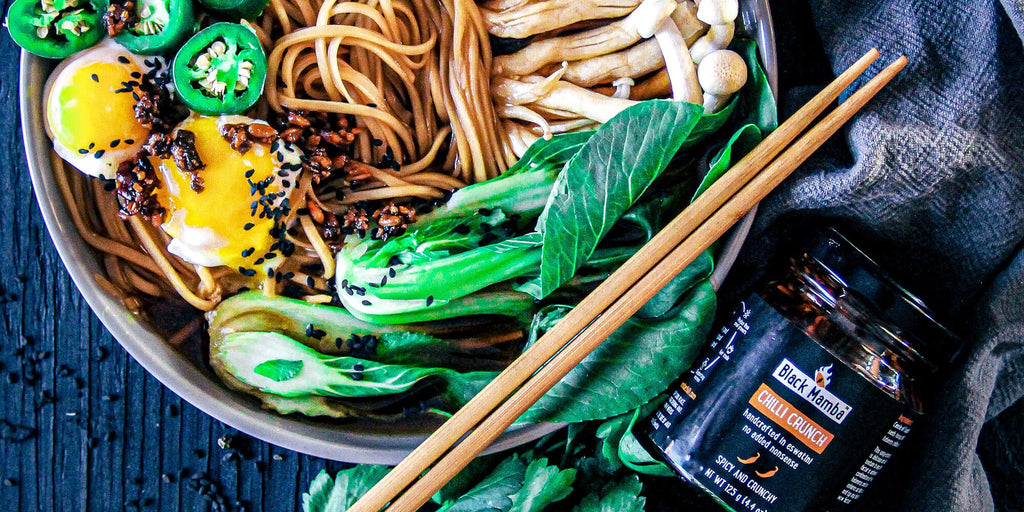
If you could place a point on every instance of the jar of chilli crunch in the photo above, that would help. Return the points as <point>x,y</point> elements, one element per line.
<point>803,396</point>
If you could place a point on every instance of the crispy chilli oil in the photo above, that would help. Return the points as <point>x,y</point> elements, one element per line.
<point>802,397</point>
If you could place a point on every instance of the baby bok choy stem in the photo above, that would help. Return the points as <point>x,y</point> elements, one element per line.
<point>281,371</point>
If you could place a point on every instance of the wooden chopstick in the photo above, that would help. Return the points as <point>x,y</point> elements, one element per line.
<point>596,302</point>
<point>638,295</point>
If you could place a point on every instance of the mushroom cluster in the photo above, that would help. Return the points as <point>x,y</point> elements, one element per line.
<point>588,60</point>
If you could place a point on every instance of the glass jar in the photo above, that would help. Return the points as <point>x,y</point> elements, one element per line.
<point>803,396</point>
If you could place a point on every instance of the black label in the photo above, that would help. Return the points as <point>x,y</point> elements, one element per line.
<point>768,420</point>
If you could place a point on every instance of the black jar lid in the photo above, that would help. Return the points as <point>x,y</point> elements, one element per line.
<point>919,333</point>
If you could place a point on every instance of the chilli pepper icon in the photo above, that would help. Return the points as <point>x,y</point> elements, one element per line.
<point>749,460</point>
<point>767,474</point>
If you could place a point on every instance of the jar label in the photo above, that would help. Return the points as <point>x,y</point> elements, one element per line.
<point>768,420</point>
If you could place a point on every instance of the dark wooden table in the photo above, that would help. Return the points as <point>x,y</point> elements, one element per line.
<point>85,428</point>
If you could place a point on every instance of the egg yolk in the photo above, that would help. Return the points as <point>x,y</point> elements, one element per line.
<point>224,221</point>
<point>94,110</point>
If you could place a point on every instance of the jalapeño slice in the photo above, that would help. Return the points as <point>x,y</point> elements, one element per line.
<point>161,26</point>
<point>220,70</point>
<point>56,28</point>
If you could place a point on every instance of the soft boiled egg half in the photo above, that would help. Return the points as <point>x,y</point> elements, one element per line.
<point>238,219</point>
<point>90,108</point>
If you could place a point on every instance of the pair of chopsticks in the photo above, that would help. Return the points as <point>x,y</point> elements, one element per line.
<point>532,374</point>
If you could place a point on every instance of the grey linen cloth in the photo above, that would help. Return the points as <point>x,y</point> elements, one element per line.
<point>929,181</point>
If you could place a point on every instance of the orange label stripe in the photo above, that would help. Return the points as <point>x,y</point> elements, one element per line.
<point>783,414</point>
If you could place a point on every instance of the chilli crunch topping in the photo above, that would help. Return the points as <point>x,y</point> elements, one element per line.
<point>182,148</point>
<point>120,15</point>
<point>392,220</point>
<point>241,136</point>
<point>325,138</point>
<point>136,181</point>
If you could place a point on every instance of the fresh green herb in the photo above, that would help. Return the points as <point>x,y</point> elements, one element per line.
<point>622,495</point>
<point>337,494</point>
<point>278,370</point>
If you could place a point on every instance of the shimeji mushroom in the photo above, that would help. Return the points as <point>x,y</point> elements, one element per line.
<point>716,38</point>
<point>721,15</point>
<point>721,73</point>
<point>589,43</point>
<point>638,60</point>
<point>718,12</point>
<point>559,97</point>
<point>525,19</point>
<point>678,62</point>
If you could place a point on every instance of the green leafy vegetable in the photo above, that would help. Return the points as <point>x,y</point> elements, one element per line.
<point>493,493</point>
<point>646,354</point>
<point>278,370</point>
<point>542,486</point>
<point>757,101</point>
<point>337,494</point>
<point>602,181</point>
<point>335,331</point>
<point>622,495</point>
<point>739,144</point>
<point>236,357</point>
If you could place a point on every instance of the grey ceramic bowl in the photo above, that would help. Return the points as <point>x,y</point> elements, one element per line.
<point>351,442</point>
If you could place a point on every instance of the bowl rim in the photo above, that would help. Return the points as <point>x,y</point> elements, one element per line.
<point>188,381</point>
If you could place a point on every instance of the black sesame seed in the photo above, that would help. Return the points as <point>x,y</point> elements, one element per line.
<point>83,151</point>
<point>430,300</point>
<point>129,141</point>
<point>377,142</point>
<point>248,252</point>
<point>258,262</point>
<point>249,173</point>
<point>371,105</point>
<point>309,281</point>
<point>95,78</point>
<point>357,376</point>
<point>92,145</point>
<point>123,60</point>
<point>248,226</point>
<point>384,280</point>
<point>114,143</point>
<point>392,273</point>
<point>358,367</point>
<point>367,303</point>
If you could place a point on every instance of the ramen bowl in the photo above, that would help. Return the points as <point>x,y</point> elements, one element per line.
<point>350,441</point>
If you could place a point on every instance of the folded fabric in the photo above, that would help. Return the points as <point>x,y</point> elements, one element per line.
<point>929,180</point>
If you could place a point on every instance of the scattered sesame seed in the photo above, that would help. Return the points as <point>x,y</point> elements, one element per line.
<point>83,151</point>
<point>129,141</point>
<point>248,252</point>
<point>248,226</point>
<point>367,303</point>
<point>357,376</point>
<point>99,154</point>
<point>430,300</point>
<point>123,60</point>
<point>114,143</point>
<point>392,273</point>
<point>95,78</point>
<point>358,367</point>
<point>249,173</point>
